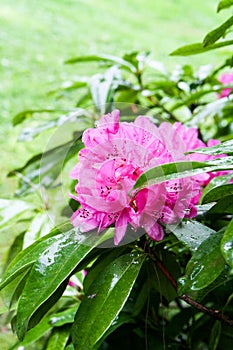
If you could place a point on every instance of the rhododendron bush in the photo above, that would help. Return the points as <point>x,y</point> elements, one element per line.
<point>124,221</point>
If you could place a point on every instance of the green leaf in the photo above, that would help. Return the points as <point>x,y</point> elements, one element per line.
<point>11,210</point>
<point>204,267</point>
<point>227,244</point>
<point>222,148</point>
<point>20,117</point>
<point>120,320</point>
<point>215,335</point>
<point>197,48</point>
<point>25,259</point>
<point>182,169</point>
<point>54,265</point>
<point>223,206</point>
<point>102,87</point>
<point>102,261</point>
<point>105,299</point>
<point>40,226</point>
<point>218,193</point>
<point>191,233</point>
<point>36,333</point>
<point>217,33</point>
<point>58,339</point>
<point>223,4</point>
<point>44,168</point>
<point>61,318</point>
<point>103,58</point>
<point>216,182</point>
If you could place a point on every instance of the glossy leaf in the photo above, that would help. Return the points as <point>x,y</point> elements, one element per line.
<point>58,339</point>
<point>222,148</point>
<point>36,333</point>
<point>217,33</point>
<point>119,321</point>
<point>182,169</point>
<point>61,318</point>
<point>51,269</point>
<point>227,244</point>
<point>223,4</point>
<point>197,48</point>
<point>223,206</point>
<point>25,259</point>
<point>205,265</point>
<point>217,193</point>
<point>191,233</point>
<point>102,58</point>
<point>105,299</point>
<point>216,182</point>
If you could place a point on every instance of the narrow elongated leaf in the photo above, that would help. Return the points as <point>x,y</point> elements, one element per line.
<point>104,58</point>
<point>216,182</point>
<point>222,148</point>
<point>217,33</point>
<point>215,335</point>
<point>58,339</point>
<point>40,226</point>
<point>51,269</point>
<point>182,169</point>
<point>25,259</point>
<point>222,207</point>
<point>20,117</point>
<point>197,48</point>
<point>191,233</point>
<point>104,300</point>
<point>227,244</point>
<point>44,168</point>
<point>205,265</point>
<point>217,193</point>
<point>223,4</point>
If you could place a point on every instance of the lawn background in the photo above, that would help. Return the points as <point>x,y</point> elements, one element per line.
<point>36,37</point>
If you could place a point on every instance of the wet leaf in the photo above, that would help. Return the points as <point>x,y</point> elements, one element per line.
<point>227,244</point>
<point>222,148</point>
<point>191,233</point>
<point>204,267</point>
<point>182,169</point>
<point>218,193</point>
<point>25,259</point>
<point>104,300</point>
<point>51,269</point>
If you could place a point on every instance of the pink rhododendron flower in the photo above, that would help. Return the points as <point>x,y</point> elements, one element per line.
<point>114,156</point>
<point>226,79</point>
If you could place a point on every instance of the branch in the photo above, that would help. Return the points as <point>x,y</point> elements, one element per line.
<point>216,314</point>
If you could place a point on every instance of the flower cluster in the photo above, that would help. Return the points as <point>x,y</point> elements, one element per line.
<point>226,79</point>
<point>115,155</point>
